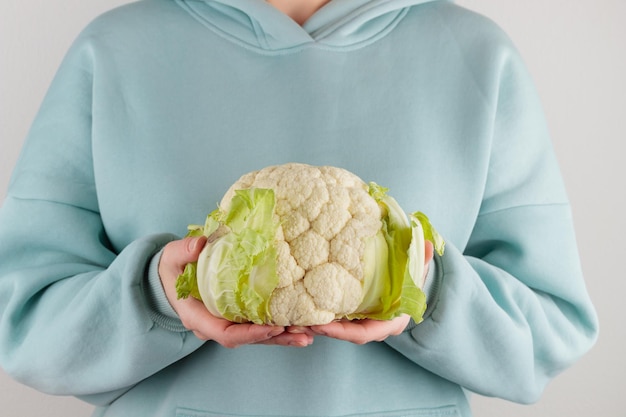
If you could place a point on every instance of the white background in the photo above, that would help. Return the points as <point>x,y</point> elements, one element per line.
<point>576,53</point>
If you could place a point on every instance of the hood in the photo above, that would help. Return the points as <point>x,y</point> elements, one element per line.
<point>340,23</point>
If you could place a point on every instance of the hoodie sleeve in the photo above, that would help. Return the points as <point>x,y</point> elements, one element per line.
<point>511,309</point>
<point>70,305</point>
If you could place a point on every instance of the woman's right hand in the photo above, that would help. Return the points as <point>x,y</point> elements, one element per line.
<point>195,316</point>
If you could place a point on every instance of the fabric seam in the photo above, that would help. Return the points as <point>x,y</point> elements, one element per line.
<point>521,206</point>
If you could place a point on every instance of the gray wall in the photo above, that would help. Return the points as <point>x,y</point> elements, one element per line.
<point>575,51</point>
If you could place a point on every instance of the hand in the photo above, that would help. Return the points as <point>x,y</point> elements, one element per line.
<point>363,331</point>
<point>200,321</point>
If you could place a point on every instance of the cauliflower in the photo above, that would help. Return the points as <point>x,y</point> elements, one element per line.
<point>296,244</point>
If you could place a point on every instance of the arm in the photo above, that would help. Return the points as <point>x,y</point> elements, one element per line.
<point>512,310</point>
<point>71,305</point>
<point>196,317</point>
<point>508,308</point>
<point>79,315</point>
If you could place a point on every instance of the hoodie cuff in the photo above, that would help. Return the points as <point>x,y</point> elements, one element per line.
<point>161,311</point>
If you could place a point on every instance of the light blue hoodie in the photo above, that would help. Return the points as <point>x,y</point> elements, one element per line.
<point>161,105</point>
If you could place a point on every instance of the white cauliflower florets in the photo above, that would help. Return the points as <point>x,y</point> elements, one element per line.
<point>325,214</point>
<point>296,244</point>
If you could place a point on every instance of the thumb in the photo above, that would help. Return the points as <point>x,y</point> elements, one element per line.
<point>429,252</point>
<point>190,247</point>
<point>179,253</point>
<point>176,255</point>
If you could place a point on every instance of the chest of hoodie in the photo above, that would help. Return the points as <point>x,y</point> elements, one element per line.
<point>171,94</point>
<point>179,70</point>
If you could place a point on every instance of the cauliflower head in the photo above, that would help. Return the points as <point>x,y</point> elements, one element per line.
<point>296,244</point>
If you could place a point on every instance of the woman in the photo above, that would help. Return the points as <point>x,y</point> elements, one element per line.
<point>162,104</point>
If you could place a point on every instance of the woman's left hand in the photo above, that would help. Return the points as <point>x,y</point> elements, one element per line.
<point>367,330</point>
<point>362,331</point>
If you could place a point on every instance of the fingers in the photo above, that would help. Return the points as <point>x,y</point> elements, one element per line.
<point>363,331</point>
<point>232,335</point>
<point>199,320</point>
<point>290,339</point>
<point>205,326</point>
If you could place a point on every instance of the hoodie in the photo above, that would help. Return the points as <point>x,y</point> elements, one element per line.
<point>160,105</point>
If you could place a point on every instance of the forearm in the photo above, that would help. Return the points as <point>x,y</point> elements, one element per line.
<point>507,321</point>
<point>76,319</point>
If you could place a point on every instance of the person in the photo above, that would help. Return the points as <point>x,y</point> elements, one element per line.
<point>160,105</point>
